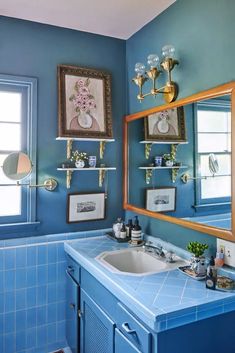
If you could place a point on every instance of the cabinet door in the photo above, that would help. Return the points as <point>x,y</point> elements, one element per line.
<point>72,322</point>
<point>97,329</point>
<point>123,345</point>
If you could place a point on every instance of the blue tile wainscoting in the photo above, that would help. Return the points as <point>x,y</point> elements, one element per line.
<point>32,293</point>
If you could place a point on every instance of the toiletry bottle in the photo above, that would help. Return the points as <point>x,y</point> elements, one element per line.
<point>117,227</point>
<point>136,231</point>
<point>219,260</point>
<point>211,276</point>
<point>129,228</point>
<point>123,231</point>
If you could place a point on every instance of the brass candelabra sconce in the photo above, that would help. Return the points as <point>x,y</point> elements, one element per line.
<point>170,89</point>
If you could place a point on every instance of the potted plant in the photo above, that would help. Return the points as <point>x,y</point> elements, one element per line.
<point>198,264</point>
<point>169,159</point>
<point>79,158</point>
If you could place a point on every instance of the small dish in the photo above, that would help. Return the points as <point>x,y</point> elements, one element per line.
<point>189,272</point>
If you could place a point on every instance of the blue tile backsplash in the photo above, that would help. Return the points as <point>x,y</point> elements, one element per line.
<point>32,293</point>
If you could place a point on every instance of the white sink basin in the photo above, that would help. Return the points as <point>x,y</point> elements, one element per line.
<point>136,262</point>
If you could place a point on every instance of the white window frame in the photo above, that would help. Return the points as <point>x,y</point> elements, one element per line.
<point>30,86</point>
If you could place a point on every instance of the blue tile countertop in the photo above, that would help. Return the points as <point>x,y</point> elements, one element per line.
<point>164,300</point>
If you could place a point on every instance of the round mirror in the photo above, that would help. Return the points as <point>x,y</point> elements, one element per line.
<point>213,164</point>
<point>17,166</point>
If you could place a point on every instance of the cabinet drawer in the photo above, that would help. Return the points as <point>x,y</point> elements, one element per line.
<point>133,329</point>
<point>73,269</point>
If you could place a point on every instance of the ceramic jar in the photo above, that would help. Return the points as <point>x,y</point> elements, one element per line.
<point>169,163</point>
<point>80,163</point>
<point>198,265</point>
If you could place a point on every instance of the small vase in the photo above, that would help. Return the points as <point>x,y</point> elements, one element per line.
<point>169,163</point>
<point>80,163</point>
<point>198,265</point>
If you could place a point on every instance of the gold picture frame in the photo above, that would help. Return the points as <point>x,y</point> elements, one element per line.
<point>165,126</point>
<point>84,103</point>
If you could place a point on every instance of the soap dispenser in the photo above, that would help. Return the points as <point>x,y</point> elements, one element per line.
<point>136,231</point>
<point>211,276</point>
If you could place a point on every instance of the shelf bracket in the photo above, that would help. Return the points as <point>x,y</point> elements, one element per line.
<point>148,175</point>
<point>68,178</point>
<point>69,148</point>
<point>174,173</point>
<point>102,173</point>
<point>148,147</point>
<point>102,149</point>
<point>174,148</point>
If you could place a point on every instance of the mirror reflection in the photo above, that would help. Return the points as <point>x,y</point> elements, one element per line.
<point>180,162</point>
<point>17,166</point>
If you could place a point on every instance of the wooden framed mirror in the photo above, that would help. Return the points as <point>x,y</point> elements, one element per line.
<point>195,134</point>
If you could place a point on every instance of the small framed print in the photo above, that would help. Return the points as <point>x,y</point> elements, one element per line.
<point>161,199</point>
<point>84,103</point>
<point>85,207</point>
<point>168,125</point>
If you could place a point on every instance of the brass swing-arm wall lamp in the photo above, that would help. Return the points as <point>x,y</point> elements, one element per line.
<point>170,90</point>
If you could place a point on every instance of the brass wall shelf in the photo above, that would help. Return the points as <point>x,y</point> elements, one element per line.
<point>70,141</point>
<point>69,171</point>
<point>149,144</point>
<point>174,172</point>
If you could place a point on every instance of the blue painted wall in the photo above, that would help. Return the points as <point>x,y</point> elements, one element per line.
<point>202,33</point>
<point>33,49</point>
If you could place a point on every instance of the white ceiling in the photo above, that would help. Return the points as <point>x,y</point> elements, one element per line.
<point>114,18</point>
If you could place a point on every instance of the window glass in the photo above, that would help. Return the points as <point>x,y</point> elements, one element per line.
<point>10,137</point>
<point>214,142</point>
<point>10,201</point>
<point>224,161</point>
<point>214,121</point>
<point>214,136</point>
<point>216,187</point>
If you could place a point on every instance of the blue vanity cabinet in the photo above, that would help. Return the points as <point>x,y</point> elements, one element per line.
<point>72,305</point>
<point>122,344</point>
<point>97,329</point>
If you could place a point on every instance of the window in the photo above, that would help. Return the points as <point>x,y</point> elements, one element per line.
<point>17,133</point>
<point>213,126</point>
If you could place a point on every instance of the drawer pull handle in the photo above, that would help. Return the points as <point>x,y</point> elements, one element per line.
<point>70,269</point>
<point>72,306</point>
<point>126,328</point>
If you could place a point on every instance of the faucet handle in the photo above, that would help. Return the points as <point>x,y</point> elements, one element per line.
<point>170,256</point>
<point>148,242</point>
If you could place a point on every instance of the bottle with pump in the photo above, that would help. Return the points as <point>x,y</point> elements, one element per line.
<point>136,231</point>
<point>123,231</point>
<point>211,276</point>
<point>129,228</point>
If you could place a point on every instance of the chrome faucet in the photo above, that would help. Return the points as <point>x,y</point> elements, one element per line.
<point>150,247</point>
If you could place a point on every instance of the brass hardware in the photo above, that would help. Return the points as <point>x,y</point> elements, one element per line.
<point>174,148</point>
<point>139,81</point>
<point>186,177</point>
<point>68,178</point>
<point>102,149</point>
<point>102,173</point>
<point>174,173</point>
<point>49,184</point>
<point>148,175</point>
<point>148,147</point>
<point>169,90</point>
<point>69,148</point>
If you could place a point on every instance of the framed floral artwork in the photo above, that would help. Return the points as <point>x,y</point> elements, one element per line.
<point>84,103</point>
<point>85,207</point>
<point>166,126</point>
